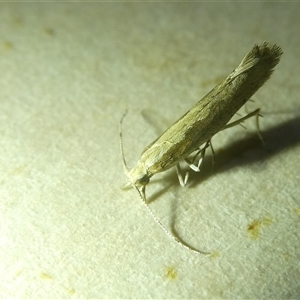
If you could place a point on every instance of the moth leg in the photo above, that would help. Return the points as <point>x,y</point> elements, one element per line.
<point>182,181</point>
<point>201,152</point>
<point>253,113</point>
<point>239,121</point>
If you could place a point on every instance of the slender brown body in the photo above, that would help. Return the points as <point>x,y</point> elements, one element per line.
<point>208,116</point>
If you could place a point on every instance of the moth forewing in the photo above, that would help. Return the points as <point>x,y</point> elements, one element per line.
<point>206,118</point>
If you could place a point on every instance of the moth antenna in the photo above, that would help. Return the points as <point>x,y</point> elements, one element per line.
<point>172,236</point>
<point>126,169</point>
<point>143,197</point>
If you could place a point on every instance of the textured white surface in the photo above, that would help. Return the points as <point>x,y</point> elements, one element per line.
<point>68,73</point>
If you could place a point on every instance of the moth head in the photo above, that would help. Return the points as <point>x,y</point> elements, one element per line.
<point>138,178</point>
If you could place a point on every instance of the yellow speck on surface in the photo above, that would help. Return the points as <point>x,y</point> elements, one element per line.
<point>214,254</point>
<point>7,45</point>
<point>296,210</point>
<point>45,276</point>
<point>286,256</point>
<point>170,273</point>
<point>49,31</point>
<point>254,227</point>
<point>71,291</point>
<point>17,170</point>
<point>17,21</point>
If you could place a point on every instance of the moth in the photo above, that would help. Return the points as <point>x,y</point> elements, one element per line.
<point>192,133</point>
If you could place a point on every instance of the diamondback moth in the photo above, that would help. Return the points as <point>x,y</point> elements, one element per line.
<point>192,133</point>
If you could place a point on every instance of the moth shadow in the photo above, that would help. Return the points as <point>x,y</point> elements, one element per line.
<point>249,150</point>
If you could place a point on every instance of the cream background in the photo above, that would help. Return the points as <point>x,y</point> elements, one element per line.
<point>68,73</point>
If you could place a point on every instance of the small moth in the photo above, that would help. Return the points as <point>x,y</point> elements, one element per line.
<point>192,133</point>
